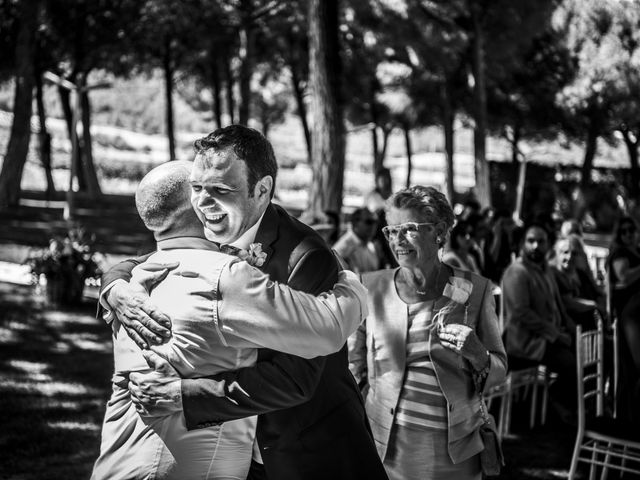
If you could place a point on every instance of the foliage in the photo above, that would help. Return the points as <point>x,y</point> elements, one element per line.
<point>71,254</point>
<point>565,68</point>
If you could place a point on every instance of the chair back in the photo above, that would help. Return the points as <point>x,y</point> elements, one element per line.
<point>616,365</point>
<point>590,363</point>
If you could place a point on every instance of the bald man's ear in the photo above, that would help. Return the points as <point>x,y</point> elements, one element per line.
<point>264,186</point>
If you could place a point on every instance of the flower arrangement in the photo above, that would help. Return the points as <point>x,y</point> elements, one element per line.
<point>66,263</point>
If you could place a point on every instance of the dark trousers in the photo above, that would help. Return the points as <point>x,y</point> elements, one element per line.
<point>561,359</point>
<point>257,471</point>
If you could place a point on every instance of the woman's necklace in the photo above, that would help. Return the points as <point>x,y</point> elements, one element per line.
<point>435,283</point>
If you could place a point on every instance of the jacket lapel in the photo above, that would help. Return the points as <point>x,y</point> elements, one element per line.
<point>268,232</point>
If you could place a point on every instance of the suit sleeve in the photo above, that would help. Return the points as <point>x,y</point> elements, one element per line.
<point>282,381</point>
<point>358,354</point>
<point>120,271</point>
<point>257,312</point>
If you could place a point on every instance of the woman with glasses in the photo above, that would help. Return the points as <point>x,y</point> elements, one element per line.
<point>428,350</point>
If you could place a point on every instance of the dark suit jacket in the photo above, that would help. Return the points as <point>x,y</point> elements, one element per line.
<point>312,423</point>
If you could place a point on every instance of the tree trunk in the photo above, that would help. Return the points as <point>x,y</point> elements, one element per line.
<point>385,142</point>
<point>18,147</point>
<point>373,108</point>
<point>168,81</point>
<point>327,144</point>
<point>229,78</point>
<point>589,153</point>
<point>483,183</point>
<point>88,167</point>
<point>302,108</point>
<point>246,55</point>
<point>522,181</point>
<point>632,149</point>
<point>215,84</point>
<point>44,139</point>
<point>407,144</point>
<point>515,150</point>
<point>65,101</point>
<point>448,117</point>
<point>374,146</point>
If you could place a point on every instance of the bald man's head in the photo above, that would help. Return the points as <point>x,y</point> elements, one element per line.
<point>163,200</point>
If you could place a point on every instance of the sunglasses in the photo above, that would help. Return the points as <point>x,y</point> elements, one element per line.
<point>408,230</point>
<point>370,221</point>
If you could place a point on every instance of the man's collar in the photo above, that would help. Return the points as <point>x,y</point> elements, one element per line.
<point>186,242</point>
<point>248,237</point>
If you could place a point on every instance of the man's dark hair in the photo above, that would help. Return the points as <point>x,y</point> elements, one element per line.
<point>358,213</point>
<point>536,224</point>
<point>249,145</point>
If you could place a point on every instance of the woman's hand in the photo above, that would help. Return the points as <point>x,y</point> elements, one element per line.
<point>464,341</point>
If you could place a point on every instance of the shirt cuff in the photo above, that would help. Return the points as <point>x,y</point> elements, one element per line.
<point>107,314</point>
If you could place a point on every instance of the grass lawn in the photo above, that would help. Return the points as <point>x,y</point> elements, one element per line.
<point>55,368</point>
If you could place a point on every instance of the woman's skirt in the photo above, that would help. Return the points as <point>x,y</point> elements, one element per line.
<point>416,454</point>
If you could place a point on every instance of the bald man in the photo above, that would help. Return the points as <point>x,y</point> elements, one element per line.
<point>222,309</point>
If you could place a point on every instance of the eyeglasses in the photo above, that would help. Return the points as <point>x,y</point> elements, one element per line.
<point>370,221</point>
<point>408,230</point>
<point>624,231</point>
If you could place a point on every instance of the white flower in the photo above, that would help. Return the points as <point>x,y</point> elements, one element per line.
<point>254,256</point>
<point>458,289</point>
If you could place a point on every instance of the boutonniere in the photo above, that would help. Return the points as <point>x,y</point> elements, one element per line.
<point>456,293</point>
<point>254,256</point>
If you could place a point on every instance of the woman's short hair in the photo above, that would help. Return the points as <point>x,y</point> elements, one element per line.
<point>428,202</point>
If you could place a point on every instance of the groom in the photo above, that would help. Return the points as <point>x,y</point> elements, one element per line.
<point>311,423</point>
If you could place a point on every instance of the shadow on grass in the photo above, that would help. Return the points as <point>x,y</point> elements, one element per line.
<point>55,370</point>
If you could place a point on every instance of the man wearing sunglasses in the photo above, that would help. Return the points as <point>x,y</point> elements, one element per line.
<point>357,246</point>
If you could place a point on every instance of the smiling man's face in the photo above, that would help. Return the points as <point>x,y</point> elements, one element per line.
<point>220,195</point>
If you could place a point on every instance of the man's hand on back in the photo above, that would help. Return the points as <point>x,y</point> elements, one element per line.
<point>144,323</point>
<point>156,393</point>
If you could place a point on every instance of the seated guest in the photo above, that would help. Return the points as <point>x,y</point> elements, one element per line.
<point>580,296</point>
<point>537,327</point>
<point>428,350</point>
<point>460,245</point>
<point>356,246</point>
<point>624,278</point>
<point>624,263</point>
<point>572,228</point>
<point>629,381</point>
